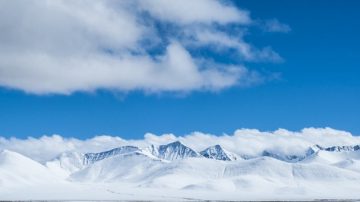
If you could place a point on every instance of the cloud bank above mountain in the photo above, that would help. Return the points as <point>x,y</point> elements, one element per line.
<point>241,142</point>
<point>61,47</point>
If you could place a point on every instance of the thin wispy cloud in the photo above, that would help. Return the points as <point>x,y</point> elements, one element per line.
<point>274,25</point>
<point>61,47</point>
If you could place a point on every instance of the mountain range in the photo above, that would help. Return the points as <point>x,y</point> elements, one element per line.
<point>180,171</point>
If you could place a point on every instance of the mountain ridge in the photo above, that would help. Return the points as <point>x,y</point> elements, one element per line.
<point>175,167</point>
<point>177,151</point>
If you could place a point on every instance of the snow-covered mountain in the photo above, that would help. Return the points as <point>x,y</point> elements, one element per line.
<point>343,148</point>
<point>218,153</point>
<point>311,152</point>
<point>284,157</point>
<point>66,163</point>
<point>341,156</point>
<point>121,167</point>
<point>93,157</point>
<point>175,170</point>
<point>17,169</point>
<point>173,151</point>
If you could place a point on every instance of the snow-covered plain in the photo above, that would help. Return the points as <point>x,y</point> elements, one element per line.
<point>175,171</point>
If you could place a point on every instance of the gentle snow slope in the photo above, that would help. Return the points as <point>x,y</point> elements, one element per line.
<point>17,169</point>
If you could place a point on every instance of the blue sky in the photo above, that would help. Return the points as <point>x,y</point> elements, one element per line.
<point>315,85</point>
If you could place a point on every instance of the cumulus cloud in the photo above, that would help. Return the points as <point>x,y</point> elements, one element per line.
<point>57,46</point>
<point>248,142</point>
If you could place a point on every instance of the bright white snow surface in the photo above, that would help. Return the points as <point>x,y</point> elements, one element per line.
<point>173,170</point>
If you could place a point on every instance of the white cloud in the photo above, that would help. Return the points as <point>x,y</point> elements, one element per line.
<point>222,41</point>
<point>274,25</point>
<point>48,147</point>
<point>242,142</point>
<point>174,71</point>
<point>200,11</point>
<point>57,46</point>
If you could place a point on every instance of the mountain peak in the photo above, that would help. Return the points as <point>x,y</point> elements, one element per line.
<point>313,149</point>
<point>218,153</point>
<point>174,150</point>
<point>177,142</point>
<point>217,146</point>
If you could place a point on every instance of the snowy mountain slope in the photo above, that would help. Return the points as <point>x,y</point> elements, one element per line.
<point>17,169</point>
<point>142,171</point>
<point>332,155</point>
<point>218,153</point>
<point>284,157</point>
<point>349,164</point>
<point>176,168</point>
<point>107,169</point>
<point>173,151</point>
<point>130,166</point>
<point>66,163</point>
<point>93,157</point>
